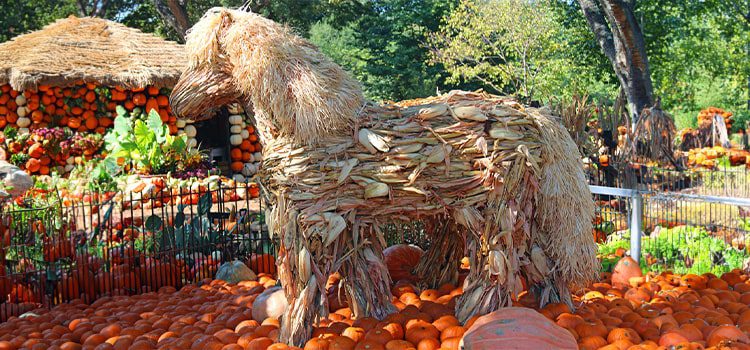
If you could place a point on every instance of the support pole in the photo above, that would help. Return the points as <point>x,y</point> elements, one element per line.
<point>636,220</point>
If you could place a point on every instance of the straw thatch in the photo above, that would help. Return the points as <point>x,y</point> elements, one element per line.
<point>89,49</point>
<point>503,178</point>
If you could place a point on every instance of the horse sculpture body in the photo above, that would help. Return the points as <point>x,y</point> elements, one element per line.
<point>476,168</point>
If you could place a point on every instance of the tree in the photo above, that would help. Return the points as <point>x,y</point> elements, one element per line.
<point>174,13</point>
<point>382,43</point>
<point>619,35</point>
<point>510,46</point>
<point>92,8</point>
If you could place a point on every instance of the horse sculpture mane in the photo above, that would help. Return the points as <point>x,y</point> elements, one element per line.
<point>491,179</point>
<point>285,77</point>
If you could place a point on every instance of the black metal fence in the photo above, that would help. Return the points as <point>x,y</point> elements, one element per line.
<point>55,248</point>
<point>721,181</point>
<point>694,220</point>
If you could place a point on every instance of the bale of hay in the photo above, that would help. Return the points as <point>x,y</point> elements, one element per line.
<point>504,178</point>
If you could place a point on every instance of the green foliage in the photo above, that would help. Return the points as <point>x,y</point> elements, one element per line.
<point>146,145</point>
<point>683,249</point>
<point>382,43</point>
<point>507,45</point>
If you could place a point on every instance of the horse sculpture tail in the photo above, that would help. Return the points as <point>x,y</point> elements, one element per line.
<point>565,213</point>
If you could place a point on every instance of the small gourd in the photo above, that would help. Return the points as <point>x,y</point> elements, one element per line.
<point>192,142</point>
<point>23,122</point>
<point>21,100</point>
<point>235,140</point>
<point>235,119</point>
<point>245,134</point>
<point>22,111</point>
<point>180,123</point>
<point>249,169</point>
<point>235,129</point>
<point>190,131</point>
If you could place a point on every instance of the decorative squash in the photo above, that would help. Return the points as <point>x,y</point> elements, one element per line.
<point>401,259</point>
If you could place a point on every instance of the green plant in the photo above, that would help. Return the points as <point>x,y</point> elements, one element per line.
<point>682,249</point>
<point>145,145</point>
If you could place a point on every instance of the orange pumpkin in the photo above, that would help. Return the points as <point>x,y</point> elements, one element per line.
<point>726,333</point>
<point>401,259</point>
<point>420,330</point>
<point>139,99</point>
<point>399,345</point>
<point>236,166</point>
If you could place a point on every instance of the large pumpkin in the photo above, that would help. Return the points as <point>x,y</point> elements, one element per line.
<point>262,263</point>
<point>517,328</point>
<point>401,259</point>
<point>625,269</point>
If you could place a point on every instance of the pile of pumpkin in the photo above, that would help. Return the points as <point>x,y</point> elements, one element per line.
<point>61,121</point>
<point>245,147</point>
<point>627,310</point>
<point>83,107</point>
<point>707,157</point>
<point>706,116</point>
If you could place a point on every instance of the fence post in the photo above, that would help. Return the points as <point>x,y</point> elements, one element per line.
<point>636,219</point>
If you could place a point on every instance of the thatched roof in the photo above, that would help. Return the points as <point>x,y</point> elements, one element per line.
<point>91,49</point>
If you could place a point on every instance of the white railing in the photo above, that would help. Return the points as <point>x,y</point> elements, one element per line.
<point>635,220</point>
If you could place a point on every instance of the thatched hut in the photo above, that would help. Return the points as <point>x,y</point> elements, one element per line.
<point>113,62</point>
<point>92,50</point>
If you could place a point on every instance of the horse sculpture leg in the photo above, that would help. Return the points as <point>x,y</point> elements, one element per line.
<point>304,293</point>
<point>483,292</point>
<point>367,283</point>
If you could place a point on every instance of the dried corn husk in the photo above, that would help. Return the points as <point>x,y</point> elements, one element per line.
<point>470,113</point>
<point>415,164</point>
<point>372,141</point>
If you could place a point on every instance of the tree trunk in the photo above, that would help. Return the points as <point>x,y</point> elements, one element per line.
<point>616,29</point>
<point>174,13</point>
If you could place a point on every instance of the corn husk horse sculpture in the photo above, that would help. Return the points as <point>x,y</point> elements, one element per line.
<point>489,177</point>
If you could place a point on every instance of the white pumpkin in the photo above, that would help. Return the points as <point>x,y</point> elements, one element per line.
<point>235,129</point>
<point>258,156</point>
<point>192,142</point>
<point>15,181</point>
<point>21,100</point>
<point>190,131</point>
<point>245,134</point>
<point>249,169</point>
<point>238,178</point>
<point>271,303</point>
<point>22,111</point>
<point>24,131</point>
<point>235,140</point>
<point>235,119</point>
<point>180,123</point>
<point>23,122</point>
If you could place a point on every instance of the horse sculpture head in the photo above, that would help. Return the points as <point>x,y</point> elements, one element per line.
<point>294,90</point>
